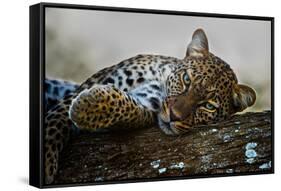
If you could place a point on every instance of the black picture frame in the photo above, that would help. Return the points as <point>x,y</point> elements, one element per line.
<point>37,76</point>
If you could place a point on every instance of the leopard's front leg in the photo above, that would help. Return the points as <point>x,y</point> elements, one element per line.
<point>104,106</point>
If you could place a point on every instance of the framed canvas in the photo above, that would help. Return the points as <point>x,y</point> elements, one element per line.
<point>126,95</point>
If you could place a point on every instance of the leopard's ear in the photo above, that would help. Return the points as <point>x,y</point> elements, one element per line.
<point>198,46</point>
<point>243,97</point>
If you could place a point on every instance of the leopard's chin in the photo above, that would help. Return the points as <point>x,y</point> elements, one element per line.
<point>164,121</point>
<point>172,127</point>
<point>166,125</point>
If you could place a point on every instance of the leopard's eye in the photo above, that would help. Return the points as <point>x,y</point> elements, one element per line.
<point>210,106</point>
<point>186,78</point>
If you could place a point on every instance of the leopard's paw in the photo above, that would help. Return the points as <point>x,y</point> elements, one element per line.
<point>98,107</point>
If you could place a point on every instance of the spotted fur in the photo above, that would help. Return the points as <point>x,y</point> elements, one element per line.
<point>174,94</point>
<point>55,90</point>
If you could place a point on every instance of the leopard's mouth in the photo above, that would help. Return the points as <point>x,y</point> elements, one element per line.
<point>173,127</point>
<point>165,126</point>
<point>169,126</point>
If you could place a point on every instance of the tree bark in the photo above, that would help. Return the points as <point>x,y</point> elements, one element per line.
<point>240,145</point>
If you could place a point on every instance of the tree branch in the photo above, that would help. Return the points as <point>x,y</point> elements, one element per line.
<point>241,144</point>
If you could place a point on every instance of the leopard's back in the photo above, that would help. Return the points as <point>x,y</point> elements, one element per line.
<point>133,72</point>
<point>140,75</point>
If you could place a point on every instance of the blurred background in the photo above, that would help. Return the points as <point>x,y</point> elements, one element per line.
<point>81,42</point>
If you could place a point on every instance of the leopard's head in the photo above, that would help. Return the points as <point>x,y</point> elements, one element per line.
<point>202,90</point>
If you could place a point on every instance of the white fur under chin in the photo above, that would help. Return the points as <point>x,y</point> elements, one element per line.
<point>166,127</point>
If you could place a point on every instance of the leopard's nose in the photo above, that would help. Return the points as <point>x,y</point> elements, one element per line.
<point>173,116</point>
<point>170,101</point>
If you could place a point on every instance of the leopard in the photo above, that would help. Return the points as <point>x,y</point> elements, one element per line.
<point>176,95</point>
<point>55,90</point>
